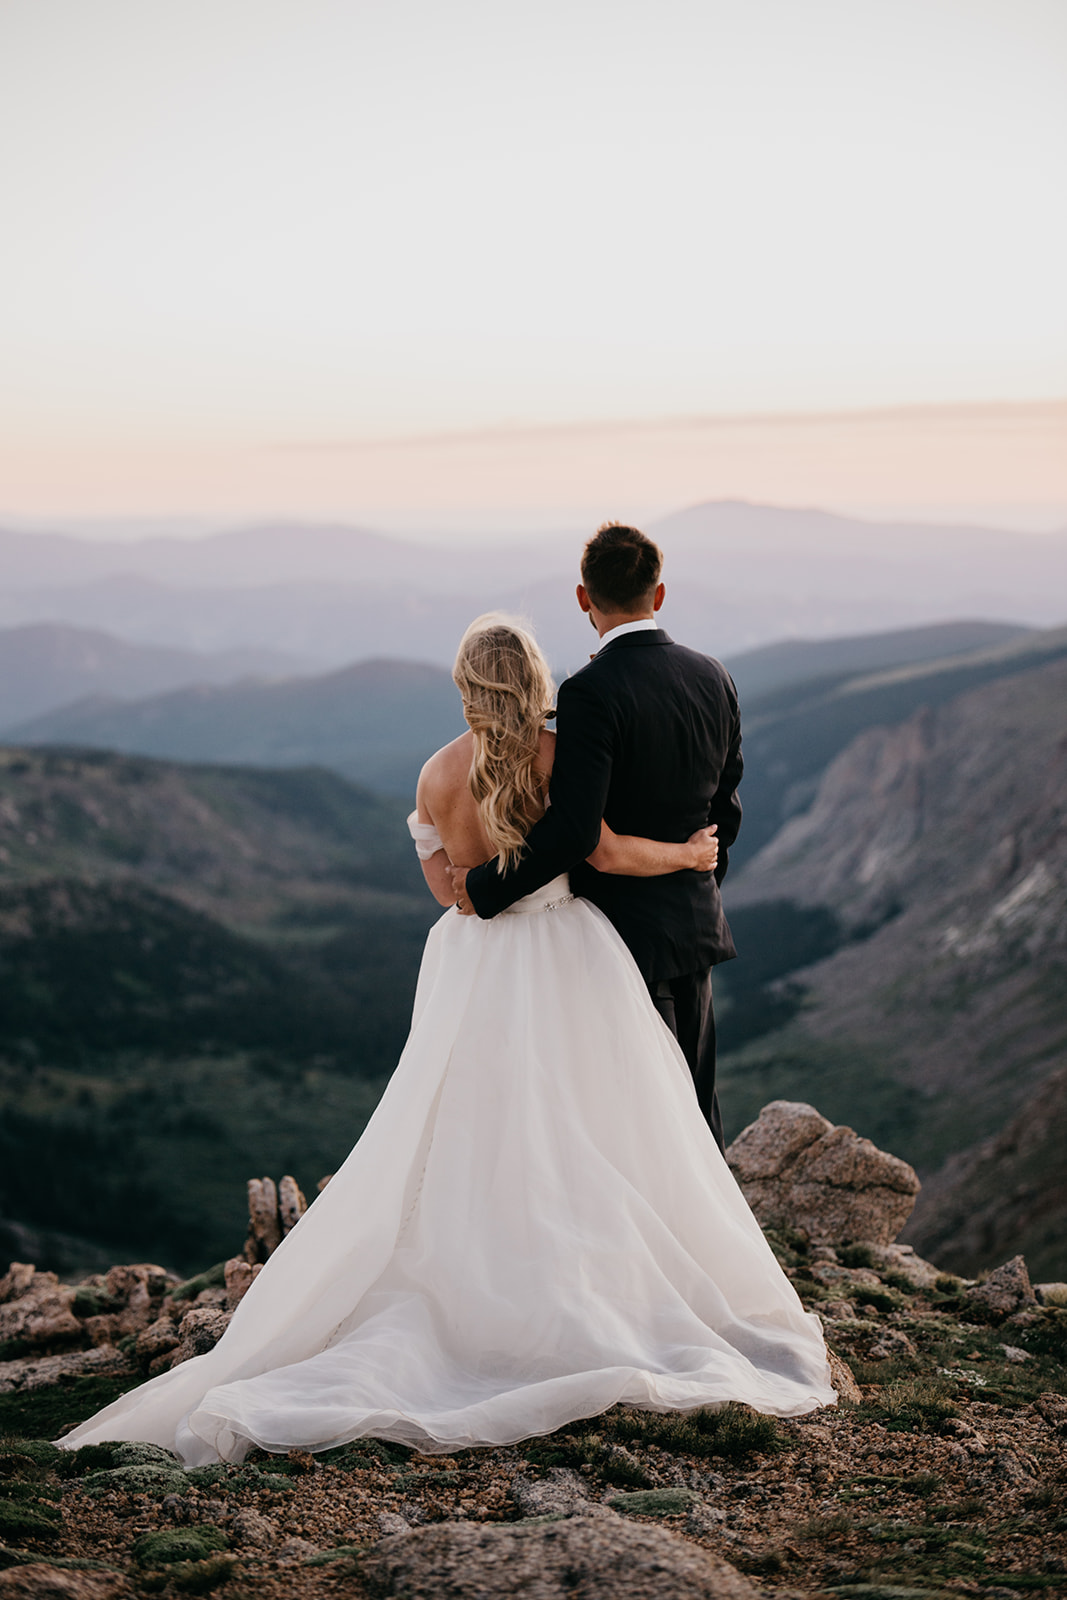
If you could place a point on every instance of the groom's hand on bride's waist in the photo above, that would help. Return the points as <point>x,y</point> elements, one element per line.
<point>459,884</point>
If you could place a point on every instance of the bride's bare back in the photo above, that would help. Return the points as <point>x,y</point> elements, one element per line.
<point>444,798</point>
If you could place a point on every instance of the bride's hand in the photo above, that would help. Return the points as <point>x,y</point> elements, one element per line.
<point>705,848</point>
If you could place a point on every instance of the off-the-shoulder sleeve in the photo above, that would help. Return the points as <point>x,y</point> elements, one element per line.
<point>426,837</point>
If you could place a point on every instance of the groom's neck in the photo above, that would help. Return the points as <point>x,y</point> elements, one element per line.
<point>604,621</point>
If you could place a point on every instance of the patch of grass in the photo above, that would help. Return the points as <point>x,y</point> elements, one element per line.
<point>911,1404</point>
<point>90,1302</point>
<point>565,1450</point>
<point>967,1510</point>
<point>169,1545</point>
<point>901,1283</point>
<point>40,1451</point>
<point>43,1413</point>
<point>789,1246</point>
<point>610,1463</point>
<point>922,1484</point>
<point>190,1577</point>
<point>824,1527</point>
<point>734,1432</point>
<point>19,1521</point>
<point>213,1278</point>
<point>19,1489</point>
<point>856,1255</point>
<point>1049,1336</point>
<point>363,1453</point>
<point>341,1552</point>
<point>866,1294</point>
<point>764,1563</point>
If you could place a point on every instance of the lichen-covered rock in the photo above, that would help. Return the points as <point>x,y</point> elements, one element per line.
<point>169,1545</point>
<point>41,1372</point>
<point>600,1558</point>
<point>561,1493</point>
<point>35,1309</point>
<point>139,1453</point>
<point>148,1478</point>
<point>252,1530</point>
<point>39,1581</point>
<point>1005,1291</point>
<point>799,1171</point>
<point>140,1288</point>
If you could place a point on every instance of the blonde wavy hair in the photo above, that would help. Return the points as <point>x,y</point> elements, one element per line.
<point>507,692</point>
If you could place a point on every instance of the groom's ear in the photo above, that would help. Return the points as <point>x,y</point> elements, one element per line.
<point>657,598</point>
<point>583,598</point>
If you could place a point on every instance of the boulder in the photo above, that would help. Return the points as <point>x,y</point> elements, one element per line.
<point>848,1390</point>
<point>1004,1292</point>
<point>798,1171</point>
<point>597,1558</point>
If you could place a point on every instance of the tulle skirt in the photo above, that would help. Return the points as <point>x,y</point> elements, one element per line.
<point>535,1225</point>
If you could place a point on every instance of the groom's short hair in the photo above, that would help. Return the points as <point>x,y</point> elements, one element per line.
<point>621,568</point>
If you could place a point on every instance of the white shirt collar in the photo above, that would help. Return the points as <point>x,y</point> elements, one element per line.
<point>627,627</point>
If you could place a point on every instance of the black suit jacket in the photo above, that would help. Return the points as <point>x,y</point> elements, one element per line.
<point>649,738</point>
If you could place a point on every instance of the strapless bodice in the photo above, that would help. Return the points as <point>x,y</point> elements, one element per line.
<point>556,893</point>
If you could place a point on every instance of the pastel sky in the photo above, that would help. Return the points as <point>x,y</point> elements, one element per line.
<point>426,262</point>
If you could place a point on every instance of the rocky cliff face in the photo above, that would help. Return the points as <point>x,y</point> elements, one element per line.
<point>948,836</point>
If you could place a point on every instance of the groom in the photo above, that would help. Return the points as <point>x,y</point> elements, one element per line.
<point>648,738</point>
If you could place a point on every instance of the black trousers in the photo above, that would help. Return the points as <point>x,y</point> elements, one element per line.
<point>685,1006</point>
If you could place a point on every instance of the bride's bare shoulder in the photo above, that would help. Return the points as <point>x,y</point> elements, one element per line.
<point>448,766</point>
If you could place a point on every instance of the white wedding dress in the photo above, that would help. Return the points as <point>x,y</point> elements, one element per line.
<point>535,1224</point>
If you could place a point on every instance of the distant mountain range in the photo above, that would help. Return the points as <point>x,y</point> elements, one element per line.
<point>44,665</point>
<point>739,576</point>
<point>378,721</point>
<point>375,722</point>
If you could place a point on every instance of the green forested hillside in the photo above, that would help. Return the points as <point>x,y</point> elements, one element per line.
<point>205,972</point>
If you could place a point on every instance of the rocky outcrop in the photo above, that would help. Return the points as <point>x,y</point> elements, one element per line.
<point>798,1171</point>
<point>35,1310</point>
<point>273,1211</point>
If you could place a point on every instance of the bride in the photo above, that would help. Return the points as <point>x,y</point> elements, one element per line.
<point>537,1222</point>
